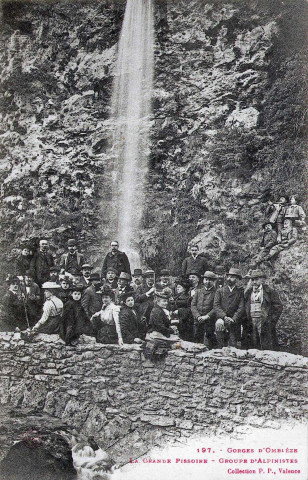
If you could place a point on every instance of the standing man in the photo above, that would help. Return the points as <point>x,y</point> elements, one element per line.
<point>229,309</point>
<point>116,259</point>
<point>220,273</point>
<point>41,263</point>
<point>123,286</point>
<point>202,308</point>
<point>145,296</point>
<point>91,299</point>
<point>71,261</point>
<point>33,298</point>
<point>195,262</point>
<point>111,278</point>
<point>137,279</point>
<point>23,260</point>
<point>263,309</point>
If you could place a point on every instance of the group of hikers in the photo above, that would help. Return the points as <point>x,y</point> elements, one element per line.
<point>215,307</point>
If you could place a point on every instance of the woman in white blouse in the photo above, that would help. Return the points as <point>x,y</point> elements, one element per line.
<point>106,322</point>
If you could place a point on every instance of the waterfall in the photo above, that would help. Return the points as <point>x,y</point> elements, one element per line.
<point>131,120</point>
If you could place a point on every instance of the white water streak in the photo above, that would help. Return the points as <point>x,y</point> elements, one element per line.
<point>131,112</point>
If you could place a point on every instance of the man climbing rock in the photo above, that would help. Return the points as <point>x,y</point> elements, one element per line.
<point>116,259</point>
<point>288,236</point>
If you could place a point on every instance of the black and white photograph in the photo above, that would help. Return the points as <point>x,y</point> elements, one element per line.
<point>153,240</point>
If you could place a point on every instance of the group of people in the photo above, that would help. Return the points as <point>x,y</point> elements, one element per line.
<point>284,221</point>
<point>154,309</point>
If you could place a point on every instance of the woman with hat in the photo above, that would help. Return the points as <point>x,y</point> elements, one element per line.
<point>75,319</point>
<point>51,319</point>
<point>132,329</point>
<point>14,307</point>
<point>106,322</point>
<point>181,309</point>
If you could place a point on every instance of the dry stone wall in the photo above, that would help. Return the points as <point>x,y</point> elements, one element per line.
<point>130,404</point>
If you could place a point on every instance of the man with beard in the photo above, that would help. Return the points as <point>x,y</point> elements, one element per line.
<point>220,272</point>
<point>229,309</point>
<point>111,278</point>
<point>116,259</point>
<point>263,309</point>
<point>195,261</point>
<point>202,308</point>
<point>145,296</point>
<point>54,274</point>
<point>41,263</point>
<point>123,286</point>
<point>72,261</point>
<point>137,279</point>
<point>86,270</point>
<point>91,299</point>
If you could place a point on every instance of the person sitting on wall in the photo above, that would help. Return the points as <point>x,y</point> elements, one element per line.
<point>116,259</point>
<point>72,261</point>
<point>296,214</point>
<point>51,320</point>
<point>195,261</point>
<point>181,309</point>
<point>137,279</point>
<point>229,310</point>
<point>111,278</point>
<point>145,296</point>
<point>195,282</point>
<point>160,336</point>
<point>288,236</point>
<point>269,239</point>
<point>106,324</point>
<point>86,270</point>
<point>132,328</point>
<point>202,308</point>
<point>91,299</point>
<point>75,319</point>
<point>13,313</point>
<point>123,286</point>
<point>263,309</point>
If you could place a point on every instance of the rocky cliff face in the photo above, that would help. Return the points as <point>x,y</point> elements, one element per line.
<point>229,129</point>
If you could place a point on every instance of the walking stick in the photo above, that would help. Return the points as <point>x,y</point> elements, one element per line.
<point>24,301</point>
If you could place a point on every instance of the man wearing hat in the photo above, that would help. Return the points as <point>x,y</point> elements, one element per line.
<point>263,309</point>
<point>54,274</point>
<point>23,260</point>
<point>202,308</point>
<point>145,296</point>
<point>195,261</point>
<point>137,279</point>
<point>72,261</point>
<point>33,298</point>
<point>14,314</point>
<point>164,279</point>
<point>86,270</point>
<point>195,281</point>
<point>269,239</point>
<point>116,259</point>
<point>51,319</point>
<point>91,299</point>
<point>41,263</point>
<point>111,278</point>
<point>123,286</point>
<point>220,273</point>
<point>229,309</point>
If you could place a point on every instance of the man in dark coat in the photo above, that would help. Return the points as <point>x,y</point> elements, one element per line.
<point>91,299</point>
<point>33,298</point>
<point>23,260</point>
<point>220,273</point>
<point>229,309</point>
<point>111,278</point>
<point>41,263</point>
<point>269,239</point>
<point>202,308</point>
<point>145,297</point>
<point>72,261</point>
<point>263,309</point>
<point>116,259</point>
<point>137,279</point>
<point>196,262</point>
<point>123,287</point>
<point>132,328</point>
<point>86,270</point>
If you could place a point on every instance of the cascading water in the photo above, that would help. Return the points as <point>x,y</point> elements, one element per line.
<point>131,119</point>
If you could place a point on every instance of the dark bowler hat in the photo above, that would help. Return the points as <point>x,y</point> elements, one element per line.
<point>78,287</point>
<point>95,277</point>
<point>210,275</point>
<point>268,223</point>
<point>107,291</point>
<point>127,295</point>
<point>71,242</point>
<point>149,273</point>
<point>164,273</point>
<point>184,282</point>
<point>166,293</point>
<point>257,274</point>
<point>220,270</point>
<point>194,272</point>
<point>111,269</point>
<point>235,272</point>
<point>137,272</point>
<point>124,276</point>
<point>86,266</point>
